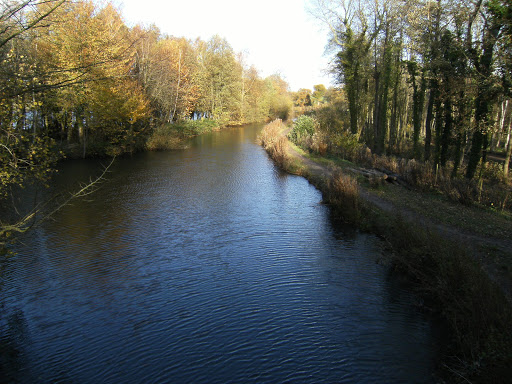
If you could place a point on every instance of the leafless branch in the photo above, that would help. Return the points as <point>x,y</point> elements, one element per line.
<point>30,220</point>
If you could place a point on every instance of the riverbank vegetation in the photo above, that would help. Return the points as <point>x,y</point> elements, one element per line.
<point>274,142</point>
<point>423,120</point>
<point>76,81</point>
<point>452,273</point>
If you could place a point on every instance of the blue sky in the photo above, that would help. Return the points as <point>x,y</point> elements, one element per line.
<point>276,36</point>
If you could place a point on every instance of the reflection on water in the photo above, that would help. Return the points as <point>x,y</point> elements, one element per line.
<point>205,265</point>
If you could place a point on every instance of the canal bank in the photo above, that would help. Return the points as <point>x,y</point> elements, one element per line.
<point>448,267</point>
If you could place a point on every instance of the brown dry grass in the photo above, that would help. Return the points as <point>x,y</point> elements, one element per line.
<point>343,194</point>
<point>453,285</point>
<point>490,191</point>
<point>274,142</point>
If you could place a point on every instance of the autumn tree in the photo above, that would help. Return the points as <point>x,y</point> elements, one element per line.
<point>24,155</point>
<point>318,95</point>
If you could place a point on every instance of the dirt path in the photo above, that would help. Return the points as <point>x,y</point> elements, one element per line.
<point>477,244</point>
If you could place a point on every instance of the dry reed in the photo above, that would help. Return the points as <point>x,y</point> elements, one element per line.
<point>274,142</point>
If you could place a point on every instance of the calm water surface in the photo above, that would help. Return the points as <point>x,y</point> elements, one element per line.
<point>207,265</point>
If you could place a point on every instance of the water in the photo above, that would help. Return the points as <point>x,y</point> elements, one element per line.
<point>207,265</point>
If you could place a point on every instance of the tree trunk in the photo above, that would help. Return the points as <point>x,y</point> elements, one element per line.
<point>376,116</point>
<point>394,111</point>
<point>428,125</point>
<point>447,130</point>
<point>438,129</point>
<point>177,88</point>
<point>509,152</point>
<point>484,67</point>
<point>459,142</point>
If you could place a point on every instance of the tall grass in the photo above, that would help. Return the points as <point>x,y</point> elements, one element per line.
<point>272,138</point>
<point>489,191</point>
<point>454,286</point>
<point>343,194</point>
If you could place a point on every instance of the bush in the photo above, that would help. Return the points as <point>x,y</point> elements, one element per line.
<point>189,128</point>
<point>164,137</point>
<point>303,129</point>
<point>493,172</point>
<point>319,143</point>
<point>347,146</point>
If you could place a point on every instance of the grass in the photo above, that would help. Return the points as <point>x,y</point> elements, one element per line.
<point>342,193</point>
<point>438,208</point>
<point>173,136</point>
<point>275,143</point>
<point>453,285</point>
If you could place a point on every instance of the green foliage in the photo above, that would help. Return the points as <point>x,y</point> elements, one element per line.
<point>190,128</point>
<point>171,136</point>
<point>319,92</point>
<point>303,128</point>
<point>346,145</point>
<point>281,107</point>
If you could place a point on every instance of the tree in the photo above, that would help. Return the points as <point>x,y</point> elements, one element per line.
<point>421,72</point>
<point>23,157</point>
<point>303,98</point>
<point>483,63</point>
<point>319,91</point>
<point>219,76</point>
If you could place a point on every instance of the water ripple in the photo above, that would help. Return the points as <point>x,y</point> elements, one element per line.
<point>209,266</point>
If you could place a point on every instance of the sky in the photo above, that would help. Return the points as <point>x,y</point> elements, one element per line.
<point>276,36</point>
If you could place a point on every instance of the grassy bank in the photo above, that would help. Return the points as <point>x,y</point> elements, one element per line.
<point>443,271</point>
<point>173,136</point>
<point>273,139</point>
<point>454,287</point>
<point>163,137</point>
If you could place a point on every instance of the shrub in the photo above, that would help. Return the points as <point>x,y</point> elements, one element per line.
<point>318,143</point>
<point>493,172</point>
<point>303,129</point>
<point>164,137</point>
<point>190,128</point>
<point>347,146</point>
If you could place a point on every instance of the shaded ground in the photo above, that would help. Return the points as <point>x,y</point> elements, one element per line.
<point>487,234</point>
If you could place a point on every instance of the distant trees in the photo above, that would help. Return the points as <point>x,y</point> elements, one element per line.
<point>73,73</point>
<point>430,77</point>
<point>75,78</point>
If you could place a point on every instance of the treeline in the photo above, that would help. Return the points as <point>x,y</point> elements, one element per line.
<point>430,79</point>
<point>74,74</point>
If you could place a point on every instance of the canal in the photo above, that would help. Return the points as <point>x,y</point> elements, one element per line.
<point>205,265</point>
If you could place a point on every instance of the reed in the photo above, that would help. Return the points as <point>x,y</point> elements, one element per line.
<point>274,142</point>
<point>342,193</point>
